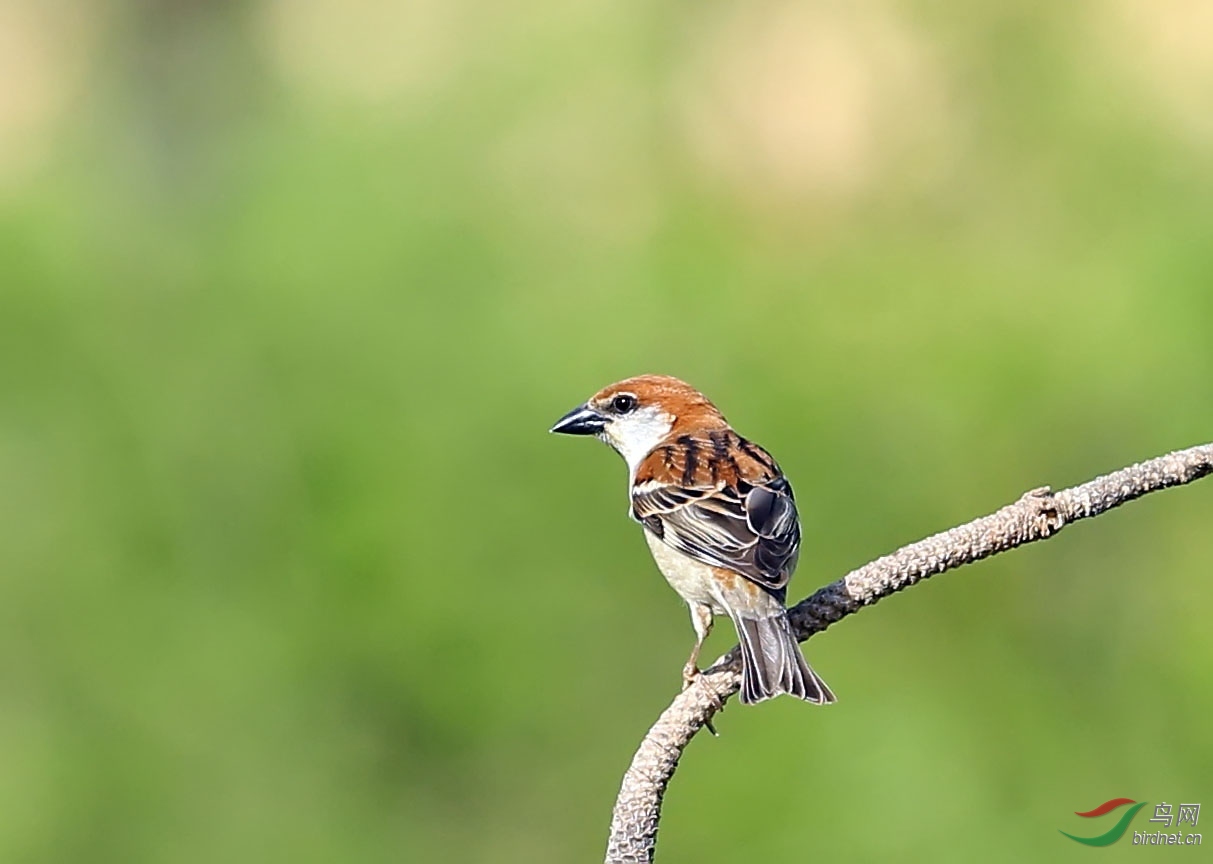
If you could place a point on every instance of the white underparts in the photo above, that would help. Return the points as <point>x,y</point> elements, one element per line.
<point>693,580</point>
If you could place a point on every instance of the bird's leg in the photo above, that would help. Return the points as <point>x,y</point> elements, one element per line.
<point>701,620</point>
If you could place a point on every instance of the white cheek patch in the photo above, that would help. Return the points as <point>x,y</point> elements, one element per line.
<point>635,435</point>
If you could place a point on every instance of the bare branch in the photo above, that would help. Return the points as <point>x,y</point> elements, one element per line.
<point>1037,515</point>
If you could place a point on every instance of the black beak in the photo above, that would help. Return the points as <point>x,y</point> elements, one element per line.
<point>582,420</point>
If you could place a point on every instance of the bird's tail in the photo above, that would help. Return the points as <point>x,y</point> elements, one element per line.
<point>772,663</point>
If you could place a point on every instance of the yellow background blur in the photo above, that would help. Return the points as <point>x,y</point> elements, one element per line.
<point>290,569</point>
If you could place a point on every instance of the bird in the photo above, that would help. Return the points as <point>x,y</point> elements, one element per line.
<point>720,520</point>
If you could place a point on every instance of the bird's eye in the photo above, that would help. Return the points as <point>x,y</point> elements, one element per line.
<point>624,403</point>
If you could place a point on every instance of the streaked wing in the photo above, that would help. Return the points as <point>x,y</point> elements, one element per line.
<point>751,529</point>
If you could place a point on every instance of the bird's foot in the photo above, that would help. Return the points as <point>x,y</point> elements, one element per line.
<point>690,673</point>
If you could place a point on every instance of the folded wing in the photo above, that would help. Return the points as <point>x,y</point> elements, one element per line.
<point>751,528</point>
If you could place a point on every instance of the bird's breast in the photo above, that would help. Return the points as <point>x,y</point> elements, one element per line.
<point>693,580</point>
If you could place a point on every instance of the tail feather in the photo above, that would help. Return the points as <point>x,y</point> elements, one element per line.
<point>772,663</point>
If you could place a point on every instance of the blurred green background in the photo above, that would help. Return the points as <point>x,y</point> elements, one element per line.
<point>292,290</point>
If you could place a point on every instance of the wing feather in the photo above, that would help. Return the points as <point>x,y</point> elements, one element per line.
<point>750,528</point>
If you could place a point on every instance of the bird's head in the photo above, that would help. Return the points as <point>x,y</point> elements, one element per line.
<point>637,414</point>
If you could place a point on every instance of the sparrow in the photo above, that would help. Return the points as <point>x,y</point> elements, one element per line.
<point>719,518</point>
